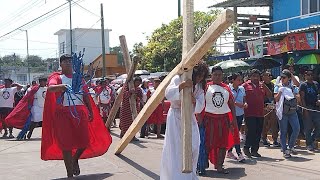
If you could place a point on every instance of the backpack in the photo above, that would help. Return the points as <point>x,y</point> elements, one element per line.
<point>290,106</point>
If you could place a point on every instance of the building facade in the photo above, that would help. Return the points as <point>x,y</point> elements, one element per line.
<point>309,10</point>
<point>88,39</point>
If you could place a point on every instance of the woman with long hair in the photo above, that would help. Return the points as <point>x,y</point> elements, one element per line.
<point>171,161</point>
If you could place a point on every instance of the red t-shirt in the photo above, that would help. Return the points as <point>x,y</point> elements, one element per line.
<point>255,99</point>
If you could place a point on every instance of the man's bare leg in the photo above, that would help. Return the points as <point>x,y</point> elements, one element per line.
<point>67,157</point>
<point>75,159</point>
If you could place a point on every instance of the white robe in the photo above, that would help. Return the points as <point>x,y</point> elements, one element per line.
<point>38,104</point>
<point>171,161</point>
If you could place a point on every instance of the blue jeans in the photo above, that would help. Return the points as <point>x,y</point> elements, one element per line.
<point>312,122</point>
<point>293,120</point>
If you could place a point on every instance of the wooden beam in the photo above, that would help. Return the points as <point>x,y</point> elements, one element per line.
<point>189,61</point>
<point>185,95</point>
<point>127,63</point>
<point>118,100</point>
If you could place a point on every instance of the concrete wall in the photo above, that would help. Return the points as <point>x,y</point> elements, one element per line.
<point>283,9</point>
<point>90,39</point>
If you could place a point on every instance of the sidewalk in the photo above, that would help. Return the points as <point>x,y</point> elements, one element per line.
<point>20,160</point>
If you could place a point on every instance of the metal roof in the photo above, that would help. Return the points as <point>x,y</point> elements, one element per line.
<point>243,3</point>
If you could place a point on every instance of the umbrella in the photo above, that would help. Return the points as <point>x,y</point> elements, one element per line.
<point>142,72</point>
<point>265,63</point>
<point>310,59</point>
<point>233,65</point>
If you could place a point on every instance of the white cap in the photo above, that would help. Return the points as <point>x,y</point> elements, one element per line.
<point>145,80</point>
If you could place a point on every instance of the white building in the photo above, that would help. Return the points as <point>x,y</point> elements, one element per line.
<point>90,39</point>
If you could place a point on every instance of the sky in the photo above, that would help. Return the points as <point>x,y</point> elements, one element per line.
<point>135,19</point>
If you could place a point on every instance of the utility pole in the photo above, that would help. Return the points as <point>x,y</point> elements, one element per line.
<point>104,73</point>
<point>179,8</point>
<point>70,27</point>
<point>28,64</point>
<point>27,59</point>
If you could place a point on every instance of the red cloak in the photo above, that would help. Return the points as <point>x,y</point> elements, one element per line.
<point>18,117</point>
<point>99,136</point>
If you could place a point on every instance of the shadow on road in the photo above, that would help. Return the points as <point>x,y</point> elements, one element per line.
<point>235,173</point>
<point>139,167</point>
<point>25,140</point>
<point>100,176</point>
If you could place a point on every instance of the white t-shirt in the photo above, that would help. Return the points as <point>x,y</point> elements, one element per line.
<point>217,99</point>
<point>75,100</point>
<point>39,97</point>
<point>7,96</point>
<point>105,95</point>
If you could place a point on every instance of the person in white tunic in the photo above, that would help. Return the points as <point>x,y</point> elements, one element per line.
<point>38,104</point>
<point>171,161</point>
<point>7,93</point>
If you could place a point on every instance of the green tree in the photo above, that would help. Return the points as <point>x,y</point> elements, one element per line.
<point>117,50</point>
<point>164,48</point>
<point>11,60</point>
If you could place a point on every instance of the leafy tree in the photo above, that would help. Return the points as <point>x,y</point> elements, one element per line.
<point>117,50</point>
<point>164,49</point>
<point>11,60</point>
<point>35,61</point>
<point>53,64</point>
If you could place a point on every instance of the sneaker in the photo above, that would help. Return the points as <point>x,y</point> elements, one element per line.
<point>246,151</point>
<point>286,154</point>
<point>241,158</point>
<point>310,148</point>
<point>265,143</point>
<point>230,155</point>
<point>256,154</point>
<point>276,144</point>
<point>293,151</point>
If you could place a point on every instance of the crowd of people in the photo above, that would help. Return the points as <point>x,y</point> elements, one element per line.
<point>226,111</point>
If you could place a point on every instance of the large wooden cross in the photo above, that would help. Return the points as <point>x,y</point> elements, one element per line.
<point>189,60</point>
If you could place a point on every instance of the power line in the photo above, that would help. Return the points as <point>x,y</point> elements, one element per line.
<point>25,8</point>
<point>44,42</point>
<point>79,36</point>
<point>86,9</point>
<point>34,20</point>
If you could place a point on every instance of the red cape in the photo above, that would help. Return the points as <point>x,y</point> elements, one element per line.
<point>100,138</point>
<point>18,117</point>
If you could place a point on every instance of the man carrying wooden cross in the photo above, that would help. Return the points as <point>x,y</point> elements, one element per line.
<point>125,111</point>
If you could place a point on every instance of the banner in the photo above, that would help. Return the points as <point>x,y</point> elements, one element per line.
<point>255,48</point>
<point>294,42</point>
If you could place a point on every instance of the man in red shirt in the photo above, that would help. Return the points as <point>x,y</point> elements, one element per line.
<point>256,92</point>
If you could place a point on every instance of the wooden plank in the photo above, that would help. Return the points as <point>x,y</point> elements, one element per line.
<point>190,60</point>
<point>127,63</point>
<point>185,95</point>
<point>118,100</point>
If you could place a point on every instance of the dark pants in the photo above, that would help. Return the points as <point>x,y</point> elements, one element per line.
<point>237,146</point>
<point>312,127</point>
<point>254,130</point>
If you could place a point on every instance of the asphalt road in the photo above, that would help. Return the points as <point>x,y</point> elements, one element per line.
<point>141,160</point>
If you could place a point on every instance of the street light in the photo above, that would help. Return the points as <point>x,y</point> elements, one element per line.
<point>27,54</point>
